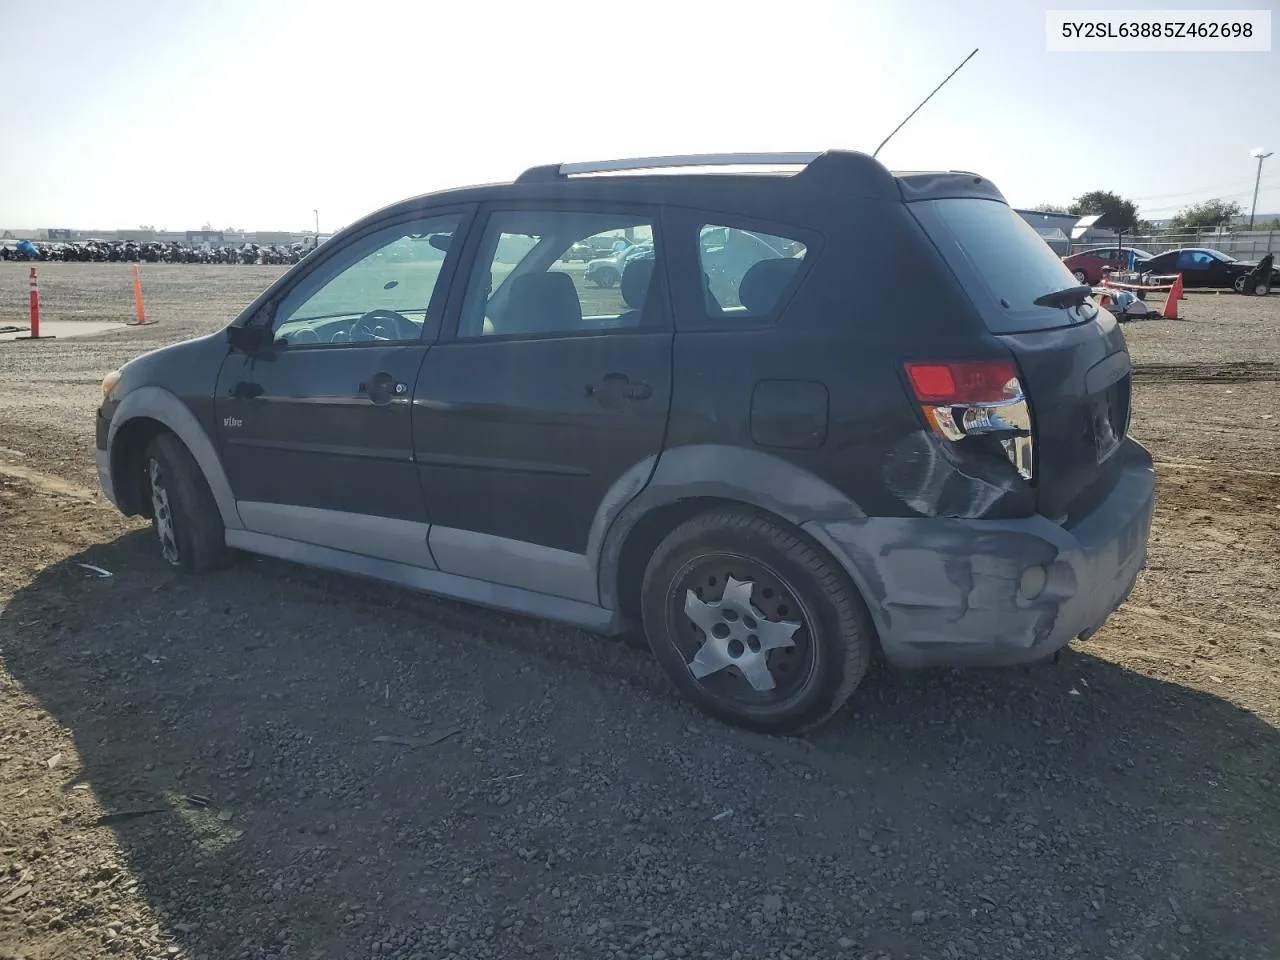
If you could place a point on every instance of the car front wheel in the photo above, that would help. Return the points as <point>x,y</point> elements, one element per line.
<point>184,514</point>
<point>753,623</point>
<point>1080,276</point>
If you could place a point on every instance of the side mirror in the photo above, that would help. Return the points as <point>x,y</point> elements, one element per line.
<point>251,338</point>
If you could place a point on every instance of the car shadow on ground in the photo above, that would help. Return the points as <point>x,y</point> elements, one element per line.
<point>1081,803</point>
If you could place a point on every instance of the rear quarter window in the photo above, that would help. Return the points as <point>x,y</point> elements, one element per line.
<point>1000,260</point>
<point>746,273</point>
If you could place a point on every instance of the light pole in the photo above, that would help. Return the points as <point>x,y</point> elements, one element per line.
<point>1261,155</point>
<point>317,213</point>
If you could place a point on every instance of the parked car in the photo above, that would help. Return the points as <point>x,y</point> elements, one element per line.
<point>607,271</point>
<point>583,252</point>
<point>1203,267</point>
<point>1086,265</point>
<point>912,438</point>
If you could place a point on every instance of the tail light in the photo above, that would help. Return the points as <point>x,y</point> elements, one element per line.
<point>976,398</point>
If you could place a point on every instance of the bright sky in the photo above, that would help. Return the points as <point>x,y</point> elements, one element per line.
<point>251,114</point>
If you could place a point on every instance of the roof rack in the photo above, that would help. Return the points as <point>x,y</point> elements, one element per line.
<point>556,171</point>
<point>850,173</point>
<point>691,160</point>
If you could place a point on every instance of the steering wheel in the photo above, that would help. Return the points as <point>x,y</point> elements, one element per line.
<point>368,326</point>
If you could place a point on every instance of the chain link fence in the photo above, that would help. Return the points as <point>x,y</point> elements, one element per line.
<point>1243,245</point>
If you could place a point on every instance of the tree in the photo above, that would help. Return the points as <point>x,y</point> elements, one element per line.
<point>1050,208</point>
<point>206,226</point>
<point>1210,213</point>
<point>1122,213</point>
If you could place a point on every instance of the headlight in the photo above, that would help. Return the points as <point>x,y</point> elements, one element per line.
<point>109,383</point>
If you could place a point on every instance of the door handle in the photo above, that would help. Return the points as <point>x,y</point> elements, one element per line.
<point>617,386</point>
<point>382,387</point>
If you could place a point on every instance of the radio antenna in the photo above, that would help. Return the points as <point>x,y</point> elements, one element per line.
<point>924,101</point>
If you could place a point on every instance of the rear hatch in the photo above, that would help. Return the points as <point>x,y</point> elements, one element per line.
<point>1070,353</point>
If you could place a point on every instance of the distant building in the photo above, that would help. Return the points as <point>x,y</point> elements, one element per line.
<point>1055,229</point>
<point>197,238</point>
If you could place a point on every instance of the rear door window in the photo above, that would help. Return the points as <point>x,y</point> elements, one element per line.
<point>1001,261</point>
<point>526,282</point>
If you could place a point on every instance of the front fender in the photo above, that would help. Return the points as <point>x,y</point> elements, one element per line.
<point>156,403</point>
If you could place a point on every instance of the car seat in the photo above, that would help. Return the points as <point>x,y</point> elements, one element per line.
<point>541,303</point>
<point>637,276</point>
<point>764,283</point>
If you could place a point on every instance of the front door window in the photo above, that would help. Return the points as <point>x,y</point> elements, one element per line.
<point>378,289</point>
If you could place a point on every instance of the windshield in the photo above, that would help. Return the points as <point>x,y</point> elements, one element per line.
<point>1000,259</point>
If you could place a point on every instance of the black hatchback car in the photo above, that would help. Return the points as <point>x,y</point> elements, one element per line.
<point>1202,267</point>
<point>895,423</point>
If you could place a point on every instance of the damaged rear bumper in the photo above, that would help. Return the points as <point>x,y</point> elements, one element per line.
<point>959,592</point>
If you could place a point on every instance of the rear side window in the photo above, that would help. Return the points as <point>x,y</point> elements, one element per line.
<point>745,273</point>
<point>560,272</point>
<point>1000,259</point>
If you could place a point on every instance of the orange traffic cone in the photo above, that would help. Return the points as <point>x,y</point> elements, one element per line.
<point>1170,311</point>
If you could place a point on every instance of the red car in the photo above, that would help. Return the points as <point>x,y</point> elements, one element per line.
<point>1087,264</point>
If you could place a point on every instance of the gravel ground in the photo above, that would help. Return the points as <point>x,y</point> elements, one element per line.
<point>190,767</point>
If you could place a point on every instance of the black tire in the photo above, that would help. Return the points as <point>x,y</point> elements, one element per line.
<point>605,279</point>
<point>828,653</point>
<point>1081,276</point>
<point>1241,285</point>
<point>192,538</point>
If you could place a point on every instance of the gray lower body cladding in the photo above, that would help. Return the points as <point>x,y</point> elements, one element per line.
<point>997,592</point>
<point>103,462</point>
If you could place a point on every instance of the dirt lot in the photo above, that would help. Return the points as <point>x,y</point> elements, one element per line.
<point>188,767</point>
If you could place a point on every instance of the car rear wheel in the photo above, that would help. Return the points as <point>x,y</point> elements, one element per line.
<point>183,512</point>
<point>1081,277</point>
<point>753,623</point>
<point>605,278</point>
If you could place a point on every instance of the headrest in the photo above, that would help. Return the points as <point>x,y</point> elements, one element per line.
<point>762,285</point>
<point>541,303</point>
<point>636,277</point>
